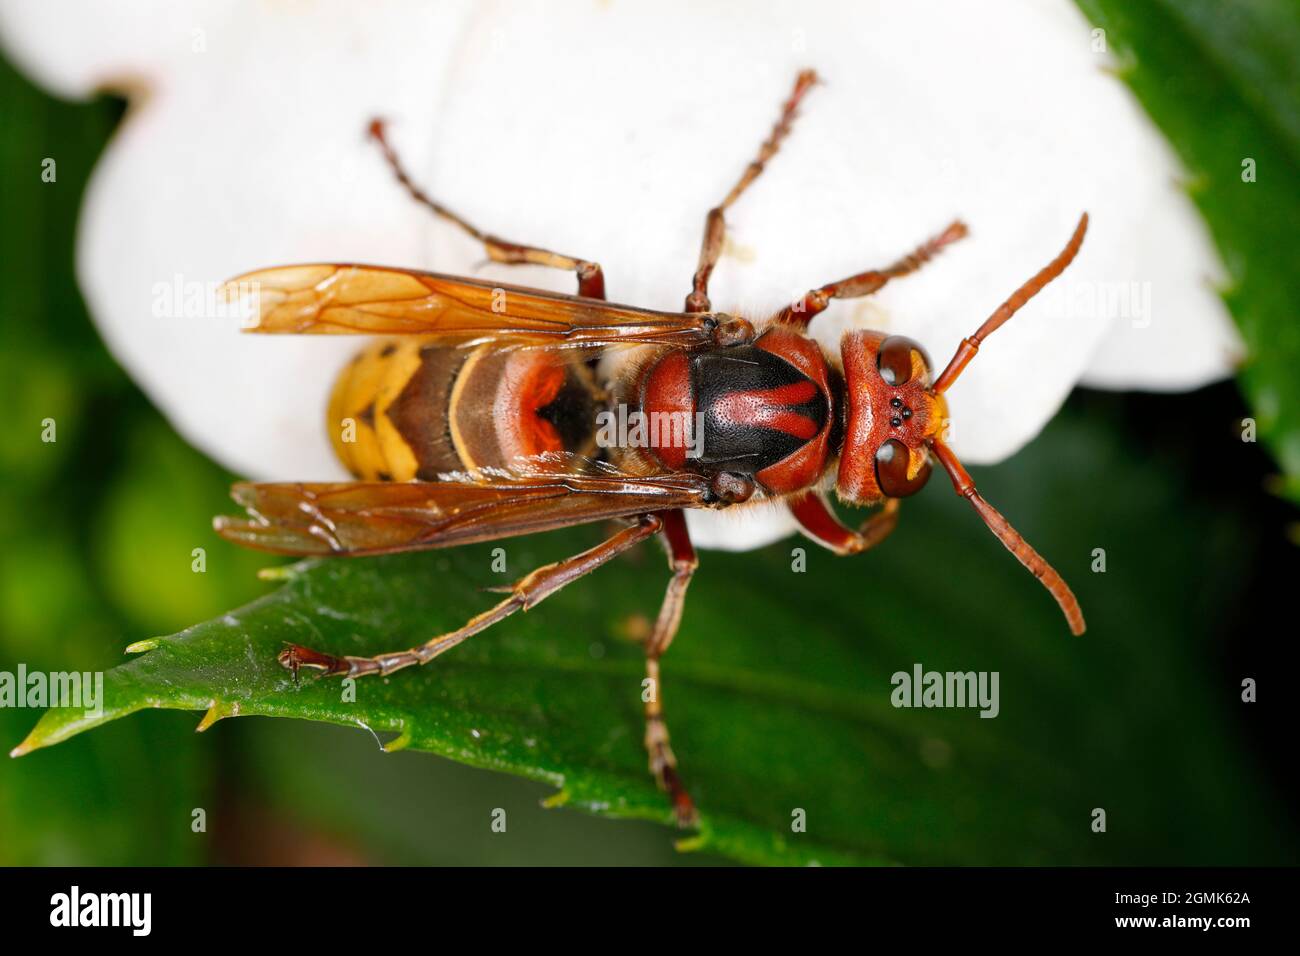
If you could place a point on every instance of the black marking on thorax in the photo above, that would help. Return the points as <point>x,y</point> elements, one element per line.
<point>758,408</point>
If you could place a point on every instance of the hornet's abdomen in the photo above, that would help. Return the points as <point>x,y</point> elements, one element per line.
<point>407,410</point>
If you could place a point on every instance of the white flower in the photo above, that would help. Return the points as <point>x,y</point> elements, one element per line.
<point>607,130</point>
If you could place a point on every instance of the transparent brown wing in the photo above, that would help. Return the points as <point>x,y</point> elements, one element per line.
<point>356,518</point>
<point>378,300</point>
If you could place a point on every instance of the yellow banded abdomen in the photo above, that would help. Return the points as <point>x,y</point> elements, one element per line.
<point>406,409</point>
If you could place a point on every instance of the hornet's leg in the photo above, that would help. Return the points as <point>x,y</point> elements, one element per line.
<point>682,560</point>
<point>591,280</point>
<point>526,593</point>
<point>715,227</point>
<point>818,521</point>
<point>865,283</point>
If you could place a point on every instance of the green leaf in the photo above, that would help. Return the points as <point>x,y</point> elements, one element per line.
<point>1222,81</point>
<point>778,687</point>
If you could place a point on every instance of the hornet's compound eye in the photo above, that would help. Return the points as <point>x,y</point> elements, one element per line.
<point>895,359</point>
<point>891,470</point>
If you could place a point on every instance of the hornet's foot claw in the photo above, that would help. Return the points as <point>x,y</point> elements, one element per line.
<point>295,657</point>
<point>683,806</point>
<point>663,765</point>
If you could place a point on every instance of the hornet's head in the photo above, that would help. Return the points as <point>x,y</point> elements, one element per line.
<point>892,414</point>
<point>896,423</point>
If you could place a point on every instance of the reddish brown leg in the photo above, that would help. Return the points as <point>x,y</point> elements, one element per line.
<point>865,283</point>
<point>818,521</point>
<point>526,593</point>
<point>591,280</point>
<point>715,227</point>
<point>682,560</point>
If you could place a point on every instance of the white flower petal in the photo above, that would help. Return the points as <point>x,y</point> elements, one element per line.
<point>741,529</point>
<point>74,47</point>
<point>1166,343</point>
<point>250,153</point>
